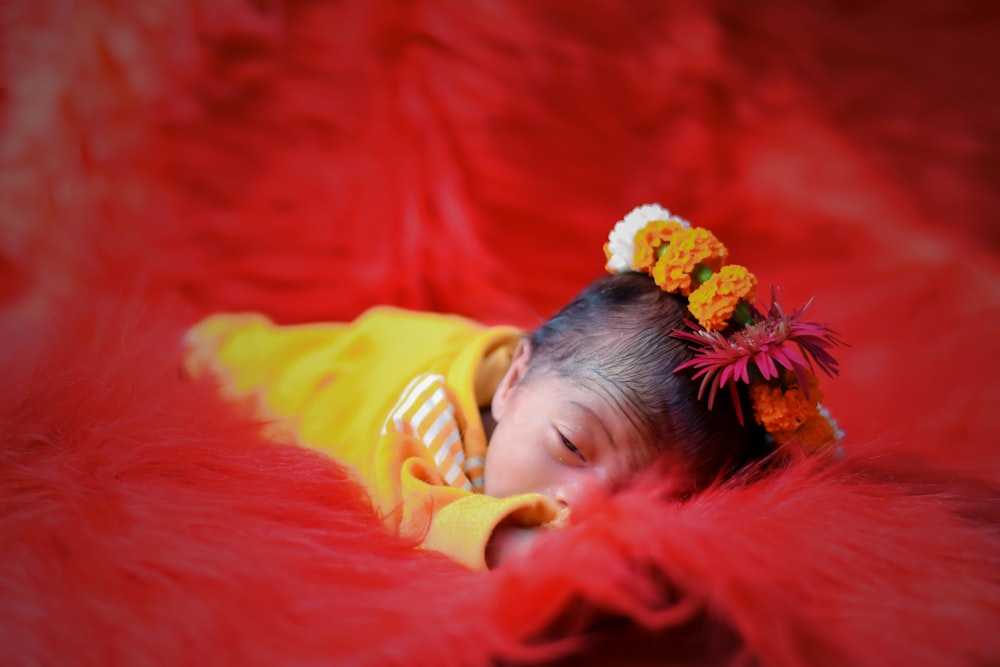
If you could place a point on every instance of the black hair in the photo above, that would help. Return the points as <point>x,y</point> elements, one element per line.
<point>617,333</point>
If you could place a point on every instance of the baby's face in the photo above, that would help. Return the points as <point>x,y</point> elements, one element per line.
<point>559,438</point>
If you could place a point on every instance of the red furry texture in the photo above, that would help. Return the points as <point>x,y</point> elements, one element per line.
<point>309,159</point>
<point>144,524</point>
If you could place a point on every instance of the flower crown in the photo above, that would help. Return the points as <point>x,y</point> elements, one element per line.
<point>774,353</point>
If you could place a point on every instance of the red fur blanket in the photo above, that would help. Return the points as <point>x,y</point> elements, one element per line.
<point>162,160</point>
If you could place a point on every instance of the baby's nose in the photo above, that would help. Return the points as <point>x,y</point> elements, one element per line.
<point>568,495</point>
<point>564,496</point>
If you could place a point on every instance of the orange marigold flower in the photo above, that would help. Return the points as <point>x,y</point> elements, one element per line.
<point>815,434</point>
<point>713,303</point>
<point>651,241</point>
<point>688,249</point>
<point>785,408</point>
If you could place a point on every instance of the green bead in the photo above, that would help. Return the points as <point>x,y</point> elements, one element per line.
<point>741,313</point>
<point>701,273</point>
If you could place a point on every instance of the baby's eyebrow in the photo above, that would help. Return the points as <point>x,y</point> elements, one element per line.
<point>597,418</point>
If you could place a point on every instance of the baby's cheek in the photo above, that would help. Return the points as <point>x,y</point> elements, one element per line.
<point>499,472</point>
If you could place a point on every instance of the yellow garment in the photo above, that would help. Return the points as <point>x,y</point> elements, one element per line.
<point>383,395</point>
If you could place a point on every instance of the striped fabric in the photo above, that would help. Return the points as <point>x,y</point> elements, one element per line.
<point>426,411</point>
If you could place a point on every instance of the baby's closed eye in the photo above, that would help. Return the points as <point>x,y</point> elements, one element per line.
<point>569,446</point>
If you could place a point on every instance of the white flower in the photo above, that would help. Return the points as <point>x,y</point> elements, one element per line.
<point>621,240</point>
<point>838,434</point>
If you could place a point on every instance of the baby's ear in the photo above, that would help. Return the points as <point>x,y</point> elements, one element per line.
<point>511,379</point>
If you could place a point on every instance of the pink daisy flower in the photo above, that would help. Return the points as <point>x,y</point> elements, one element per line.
<point>769,342</point>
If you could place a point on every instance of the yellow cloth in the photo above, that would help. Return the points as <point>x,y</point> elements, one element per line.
<point>344,389</point>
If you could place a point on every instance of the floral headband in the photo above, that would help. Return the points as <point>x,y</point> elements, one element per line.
<point>774,353</point>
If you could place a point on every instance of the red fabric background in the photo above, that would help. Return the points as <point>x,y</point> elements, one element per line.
<point>162,160</point>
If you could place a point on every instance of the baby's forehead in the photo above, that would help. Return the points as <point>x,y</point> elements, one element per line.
<point>595,394</point>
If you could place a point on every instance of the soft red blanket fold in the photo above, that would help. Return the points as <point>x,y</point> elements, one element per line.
<point>145,524</point>
<point>307,159</point>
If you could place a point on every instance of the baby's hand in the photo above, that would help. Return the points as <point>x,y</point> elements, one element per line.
<point>510,540</point>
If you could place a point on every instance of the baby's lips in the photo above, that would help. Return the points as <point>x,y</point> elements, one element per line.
<point>561,519</point>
